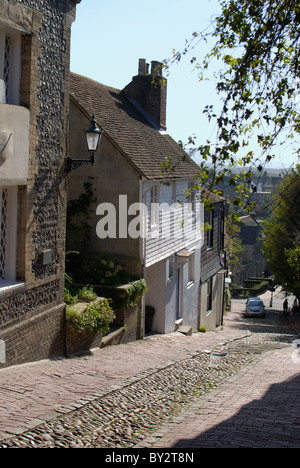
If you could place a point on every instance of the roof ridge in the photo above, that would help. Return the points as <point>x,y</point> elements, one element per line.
<point>147,148</point>
<point>97,83</point>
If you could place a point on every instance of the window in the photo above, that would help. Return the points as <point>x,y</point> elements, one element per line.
<point>191,269</point>
<point>155,204</point>
<point>10,65</point>
<point>8,234</point>
<point>174,188</point>
<point>171,267</point>
<point>191,197</point>
<point>209,295</point>
<point>210,231</point>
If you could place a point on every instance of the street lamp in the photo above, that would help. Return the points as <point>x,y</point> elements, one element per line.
<point>93,135</point>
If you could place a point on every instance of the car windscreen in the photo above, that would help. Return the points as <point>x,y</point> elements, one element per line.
<point>254,303</point>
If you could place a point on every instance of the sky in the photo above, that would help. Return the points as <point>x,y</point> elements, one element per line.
<point>110,36</point>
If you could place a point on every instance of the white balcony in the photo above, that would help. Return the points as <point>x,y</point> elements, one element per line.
<point>14,144</point>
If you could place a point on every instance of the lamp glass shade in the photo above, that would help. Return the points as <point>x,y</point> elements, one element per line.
<point>93,135</point>
<point>92,140</point>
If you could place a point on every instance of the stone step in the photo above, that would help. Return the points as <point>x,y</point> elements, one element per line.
<point>109,339</point>
<point>185,330</point>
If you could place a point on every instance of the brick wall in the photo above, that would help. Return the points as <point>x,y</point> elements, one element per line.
<point>35,336</point>
<point>150,92</point>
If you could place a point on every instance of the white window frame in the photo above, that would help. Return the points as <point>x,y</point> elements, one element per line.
<point>171,267</point>
<point>191,269</point>
<point>8,233</point>
<point>14,77</point>
<point>209,296</point>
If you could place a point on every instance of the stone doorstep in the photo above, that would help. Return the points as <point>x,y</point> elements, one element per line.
<point>185,330</point>
<point>108,339</point>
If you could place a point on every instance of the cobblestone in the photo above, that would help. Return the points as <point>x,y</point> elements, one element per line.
<point>124,417</point>
<point>133,413</point>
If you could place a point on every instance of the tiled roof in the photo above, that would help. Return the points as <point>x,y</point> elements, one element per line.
<point>249,221</point>
<point>139,141</point>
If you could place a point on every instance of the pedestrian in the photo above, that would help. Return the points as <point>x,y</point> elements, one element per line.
<point>295,306</point>
<point>285,306</point>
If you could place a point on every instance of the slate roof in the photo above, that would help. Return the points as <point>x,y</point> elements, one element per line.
<point>139,141</point>
<point>249,221</point>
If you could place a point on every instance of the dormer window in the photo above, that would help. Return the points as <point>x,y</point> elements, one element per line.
<point>10,65</point>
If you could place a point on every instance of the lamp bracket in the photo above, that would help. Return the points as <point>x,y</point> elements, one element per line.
<point>73,164</point>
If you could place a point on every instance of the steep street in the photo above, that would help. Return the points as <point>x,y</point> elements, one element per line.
<point>235,387</point>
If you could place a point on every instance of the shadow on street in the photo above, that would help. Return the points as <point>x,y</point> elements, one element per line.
<point>264,423</point>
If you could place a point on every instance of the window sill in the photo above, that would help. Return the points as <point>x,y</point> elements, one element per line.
<point>6,286</point>
<point>171,279</point>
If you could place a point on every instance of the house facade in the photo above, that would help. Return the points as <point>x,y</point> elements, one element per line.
<point>252,262</point>
<point>34,103</point>
<point>213,266</point>
<point>145,212</point>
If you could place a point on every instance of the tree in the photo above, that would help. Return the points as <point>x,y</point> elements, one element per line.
<point>233,244</point>
<point>281,245</point>
<point>258,44</point>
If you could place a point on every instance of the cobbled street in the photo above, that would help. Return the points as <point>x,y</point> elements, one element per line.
<point>142,410</point>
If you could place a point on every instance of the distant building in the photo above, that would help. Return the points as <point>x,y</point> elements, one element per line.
<point>252,262</point>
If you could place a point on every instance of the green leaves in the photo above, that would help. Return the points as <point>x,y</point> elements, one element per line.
<point>96,318</point>
<point>282,234</point>
<point>257,44</point>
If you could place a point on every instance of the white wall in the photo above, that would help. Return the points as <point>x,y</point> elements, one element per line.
<point>174,235</point>
<point>14,145</point>
<point>174,297</point>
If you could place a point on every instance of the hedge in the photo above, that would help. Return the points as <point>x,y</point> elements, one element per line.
<point>243,291</point>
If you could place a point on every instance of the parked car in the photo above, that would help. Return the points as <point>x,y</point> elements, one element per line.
<point>252,299</point>
<point>255,307</point>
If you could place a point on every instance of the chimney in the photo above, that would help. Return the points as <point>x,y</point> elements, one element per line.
<point>150,91</point>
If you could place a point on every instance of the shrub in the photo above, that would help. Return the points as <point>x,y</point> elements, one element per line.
<point>136,290</point>
<point>72,295</point>
<point>69,297</point>
<point>96,318</point>
<point>107,272</point>
<point>86,294</point>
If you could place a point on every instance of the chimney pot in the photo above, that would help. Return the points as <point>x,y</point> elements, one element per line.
<point>142,67</point>
<point>150,93</point>
<point>156,68</point>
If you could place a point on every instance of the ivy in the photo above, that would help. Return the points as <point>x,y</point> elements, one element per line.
<point>78,212</point>
<point>134,293</point>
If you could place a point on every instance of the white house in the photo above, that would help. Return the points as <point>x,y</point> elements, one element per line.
<point>145,212</point>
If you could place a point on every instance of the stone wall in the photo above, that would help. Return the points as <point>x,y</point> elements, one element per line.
<point>32,314</point>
